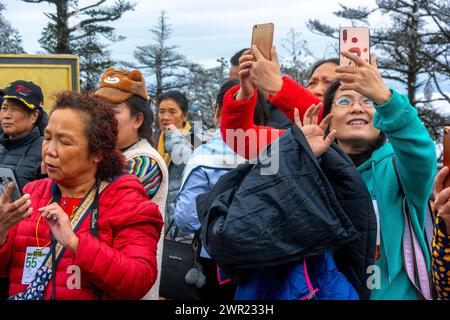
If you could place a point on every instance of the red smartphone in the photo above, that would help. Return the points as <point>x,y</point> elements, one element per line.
<point>356,40</point>
<point>446,143</point>
<point>262,37</point>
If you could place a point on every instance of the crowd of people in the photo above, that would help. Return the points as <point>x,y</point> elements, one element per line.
<point>316,192</point>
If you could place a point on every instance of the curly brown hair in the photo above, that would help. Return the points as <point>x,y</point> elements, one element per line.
<point>100,129</point>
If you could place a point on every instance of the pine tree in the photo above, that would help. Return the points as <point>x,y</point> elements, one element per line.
<point>203,86</point>
<point>10,40</point>
<point>295,64</point>
<point>77,30</point>
<point>161,60</point>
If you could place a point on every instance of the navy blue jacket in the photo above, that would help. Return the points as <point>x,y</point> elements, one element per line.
<point>304,209</point>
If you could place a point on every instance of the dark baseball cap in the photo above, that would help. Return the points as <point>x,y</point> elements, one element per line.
<point>28,93</point>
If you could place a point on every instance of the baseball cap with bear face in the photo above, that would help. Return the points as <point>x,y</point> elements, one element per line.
<point>117,86</point>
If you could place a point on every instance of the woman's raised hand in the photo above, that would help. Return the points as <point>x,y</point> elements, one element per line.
<point>257,71</point>
<point>247,88</point>
<point>313,132</point>
<point>266,74</point>
<point>364,78</point>
<point>12,213</point>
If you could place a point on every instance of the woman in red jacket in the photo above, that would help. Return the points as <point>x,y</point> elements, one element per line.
<point>88,231</point>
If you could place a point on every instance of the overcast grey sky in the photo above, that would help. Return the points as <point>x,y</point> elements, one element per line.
<point>204,30</point>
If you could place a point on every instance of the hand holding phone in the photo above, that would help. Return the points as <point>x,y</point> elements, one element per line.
<point>12,212</point>
<point>14,206</point>
<point>262,37</point>
<point>8,175</point>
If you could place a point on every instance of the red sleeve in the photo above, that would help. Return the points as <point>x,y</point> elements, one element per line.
<point>6,252</point>
<point>128,269</point>
<point>293,95</point>
<point>238,129</point>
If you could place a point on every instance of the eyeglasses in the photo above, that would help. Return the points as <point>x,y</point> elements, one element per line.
<point>347,102</point>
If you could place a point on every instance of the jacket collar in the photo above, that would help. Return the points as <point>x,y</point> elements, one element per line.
<point>378,155</point>
<point>16,143</point>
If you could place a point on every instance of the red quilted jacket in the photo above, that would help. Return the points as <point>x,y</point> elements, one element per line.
<point>121,263</point>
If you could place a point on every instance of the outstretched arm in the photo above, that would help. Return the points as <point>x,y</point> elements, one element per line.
<point>284,93</point>
<point>238,129</point>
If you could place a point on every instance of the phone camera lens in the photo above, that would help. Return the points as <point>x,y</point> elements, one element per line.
<point>445,131</point>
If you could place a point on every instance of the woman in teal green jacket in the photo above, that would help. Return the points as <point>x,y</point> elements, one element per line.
<point>365,112</point>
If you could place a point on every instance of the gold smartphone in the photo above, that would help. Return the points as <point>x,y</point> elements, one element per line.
<point>446,143</point>
<point>262,37</point>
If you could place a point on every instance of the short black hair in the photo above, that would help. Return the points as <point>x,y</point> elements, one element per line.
<point>223,89</point>
<point>179,98</point>
<point>328,97</point>
<point>260,116</point>
<point>235,58</point>
<point>319,63</point>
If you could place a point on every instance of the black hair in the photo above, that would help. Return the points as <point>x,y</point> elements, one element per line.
<point>137,105</point>
<point>151,120</point>
<point>260,116</point>
<point>328,99</point>
<point>178,97</point>
<point>234,60</point>
<point>319,63</point>
<point>223,89</point>
<point>42,121</point>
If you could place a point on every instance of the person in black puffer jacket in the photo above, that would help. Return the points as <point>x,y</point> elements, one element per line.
<point>23,121</point>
